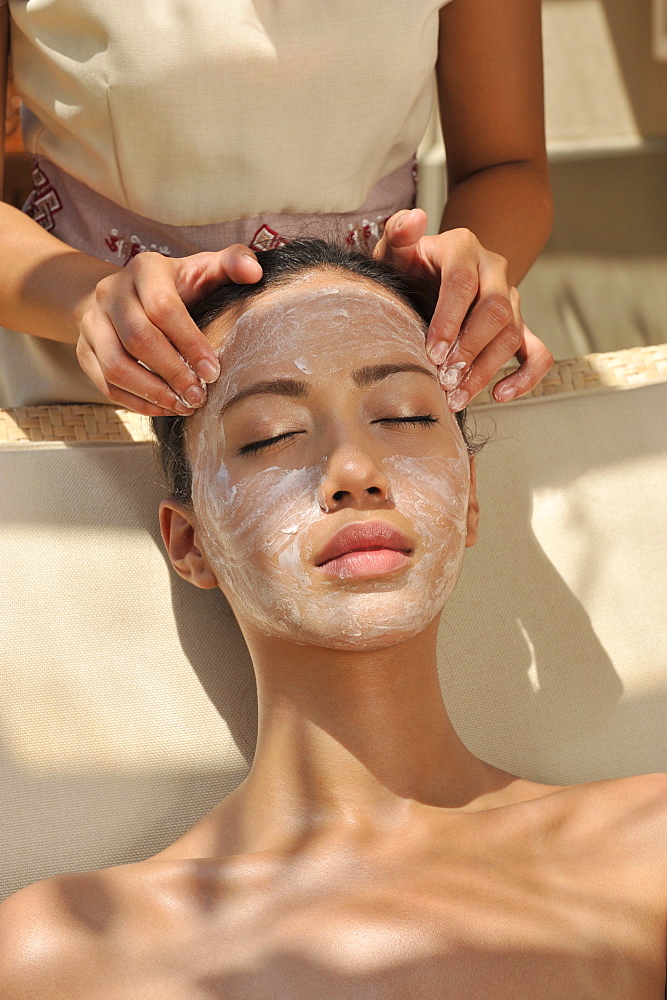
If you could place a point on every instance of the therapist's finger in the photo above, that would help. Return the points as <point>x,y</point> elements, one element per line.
<point>535,362</point>
<point>121,378</point>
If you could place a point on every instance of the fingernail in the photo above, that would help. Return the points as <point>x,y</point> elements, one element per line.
<point>457,399</point>
<point>504,393</point>
<point>208,371</point>
<point>402,217</point>
<point>438,352</point>
<point>195,395</point>
<point>182,407</point>
<point>449,377</point>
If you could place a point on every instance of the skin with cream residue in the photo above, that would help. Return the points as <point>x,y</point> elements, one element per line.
<point>257,528</point>
<point>303,366</point>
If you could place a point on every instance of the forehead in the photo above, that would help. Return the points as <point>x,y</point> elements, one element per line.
<point>322,320</point>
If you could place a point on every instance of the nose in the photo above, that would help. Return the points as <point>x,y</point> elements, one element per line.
<point>353,479</point>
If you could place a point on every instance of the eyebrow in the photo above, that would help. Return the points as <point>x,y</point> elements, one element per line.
<point>292,387</point>
<point>298,389</point>
<point>376,373</point>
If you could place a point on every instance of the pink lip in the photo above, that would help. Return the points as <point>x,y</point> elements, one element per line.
<point>366,548</point>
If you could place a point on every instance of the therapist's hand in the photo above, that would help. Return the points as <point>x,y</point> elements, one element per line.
<point>477,325</point>
<point>139,314</point>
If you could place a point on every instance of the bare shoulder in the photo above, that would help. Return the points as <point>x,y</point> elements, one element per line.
<point>647,812</point>
<point>626,817</point>
<point>638,802</point>
<point>45,952</point>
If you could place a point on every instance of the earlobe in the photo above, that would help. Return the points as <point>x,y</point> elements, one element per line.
<point>473,506</point>
<point>180,539</point>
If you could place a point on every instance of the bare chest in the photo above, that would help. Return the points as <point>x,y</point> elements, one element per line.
<point>421,931</point>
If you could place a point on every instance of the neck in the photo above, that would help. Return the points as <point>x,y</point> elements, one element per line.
<point>350,739</point>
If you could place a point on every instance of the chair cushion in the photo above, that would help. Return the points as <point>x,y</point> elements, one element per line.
<point>128,703</point>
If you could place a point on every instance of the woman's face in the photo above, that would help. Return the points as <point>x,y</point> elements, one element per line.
<point>330,479</point>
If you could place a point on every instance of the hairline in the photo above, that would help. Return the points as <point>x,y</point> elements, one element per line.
<point>239,306</point>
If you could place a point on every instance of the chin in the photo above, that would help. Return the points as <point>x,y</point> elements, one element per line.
<point>353,625</point>
<point>364,642</point>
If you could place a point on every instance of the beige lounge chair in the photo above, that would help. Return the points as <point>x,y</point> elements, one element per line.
<point>127,704</point>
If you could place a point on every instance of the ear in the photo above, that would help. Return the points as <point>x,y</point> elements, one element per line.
<point>180,539</point>
<point>473,506</point>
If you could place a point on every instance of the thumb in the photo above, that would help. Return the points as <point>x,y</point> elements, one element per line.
<point>201,272</point>
<point>401,234</point>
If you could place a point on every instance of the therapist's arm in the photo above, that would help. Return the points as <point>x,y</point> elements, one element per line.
<point>490,84</point>
<point>499,210</point>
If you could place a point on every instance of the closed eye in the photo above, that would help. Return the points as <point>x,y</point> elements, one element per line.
<point>258,446</point>
<point>425,420</point>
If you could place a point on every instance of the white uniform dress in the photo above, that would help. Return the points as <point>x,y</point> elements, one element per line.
<point>186,127</point>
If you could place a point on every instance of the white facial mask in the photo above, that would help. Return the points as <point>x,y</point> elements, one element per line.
<point>255,530</point>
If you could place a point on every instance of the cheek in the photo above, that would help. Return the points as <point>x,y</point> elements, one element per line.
<point>259,518</point>
<point>432,492</point>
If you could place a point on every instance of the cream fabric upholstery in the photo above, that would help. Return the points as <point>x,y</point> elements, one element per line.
<point>128,706</point>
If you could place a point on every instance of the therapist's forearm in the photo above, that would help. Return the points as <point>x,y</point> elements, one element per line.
<point>509,209</point>
<point>43,282</point>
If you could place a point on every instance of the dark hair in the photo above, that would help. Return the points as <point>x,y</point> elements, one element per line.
<point>281,266</point>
